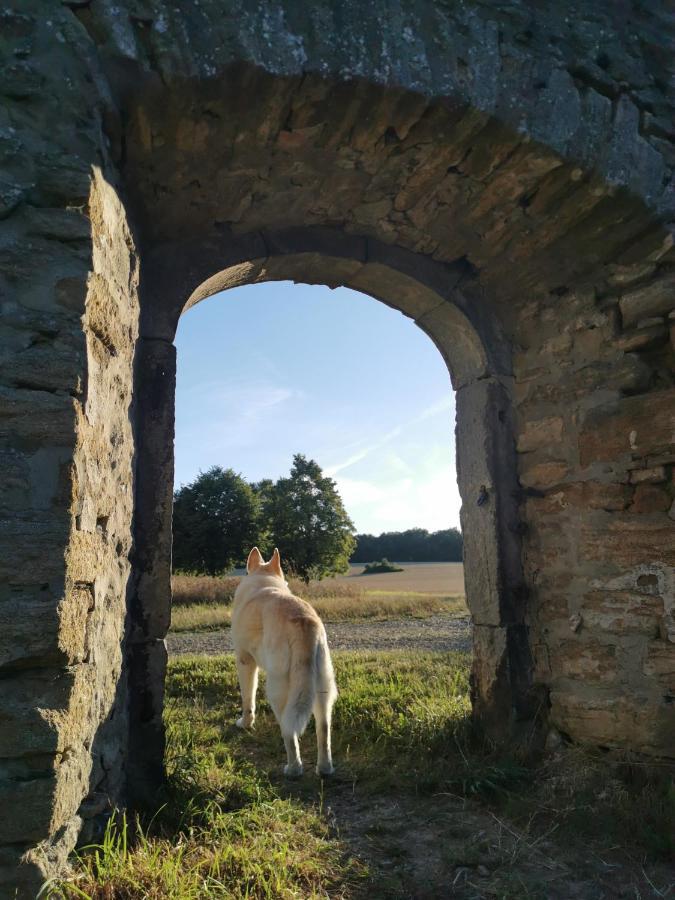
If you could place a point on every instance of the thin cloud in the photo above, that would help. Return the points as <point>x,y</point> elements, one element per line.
<point>237,412</point>
<point>444,405</point>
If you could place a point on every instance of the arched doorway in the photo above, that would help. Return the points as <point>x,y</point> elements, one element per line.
<point>430,294</point>
<point>467,141</point>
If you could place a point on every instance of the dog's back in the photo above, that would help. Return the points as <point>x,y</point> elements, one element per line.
<point>282,634</point>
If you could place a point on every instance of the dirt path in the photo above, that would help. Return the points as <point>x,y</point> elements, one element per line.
<point>445,847</point>
<point>440,632</point>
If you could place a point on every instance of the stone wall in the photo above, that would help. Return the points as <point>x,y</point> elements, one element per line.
<point>596,450</point>
<point>516,165</point>
<point>69,324</point>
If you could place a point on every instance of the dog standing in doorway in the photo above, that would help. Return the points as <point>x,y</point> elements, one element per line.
<point>282,634</point>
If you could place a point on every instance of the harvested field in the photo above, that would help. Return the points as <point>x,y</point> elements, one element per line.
<point>431,578</point>
<point>420,591</point>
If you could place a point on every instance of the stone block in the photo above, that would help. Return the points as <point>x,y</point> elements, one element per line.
<point>622,612</point>
<point>635,721</point>
<point>582,495</point>
<point>50,856</point>
<point>660,663</point>
<point>485,457</point>
<point>653,475</point>
<point>656,298</point>
<point>643,338</point>
<point>584,659</point>
<point>71,293</point>
<point>150,605</point>
<point>32,550</point>
<point>54,366</point>
<point>540,434</point>
<point>489,674</point>
<point>36,417</point>
<point>649,498</point>
<point>29,631</point>
<point>20,879</point>
<point>627,540</point>
<point>633,427</point>
<point>34,707</point>
<point>542,474</point>
<point>31,804</point>
<point>60,224</point>
<point>147,669</point>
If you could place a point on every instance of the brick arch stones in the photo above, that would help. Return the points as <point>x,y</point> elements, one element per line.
<point>503,175</point>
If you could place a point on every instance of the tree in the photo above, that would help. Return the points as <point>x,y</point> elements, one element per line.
<point>216,521</point>
<point>308,521</point>
<point>413,545</point>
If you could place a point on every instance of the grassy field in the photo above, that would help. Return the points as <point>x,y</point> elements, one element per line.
<point>201,603</point>
<point>418,808</point>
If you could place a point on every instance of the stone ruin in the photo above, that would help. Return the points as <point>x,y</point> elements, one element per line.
<point>501,173</point>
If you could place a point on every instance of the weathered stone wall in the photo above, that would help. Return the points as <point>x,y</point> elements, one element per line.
<point>98,566</point>
<point>68,328</point>
<point>594,83</point>
<point>596,450</point>
<point>524,155</point>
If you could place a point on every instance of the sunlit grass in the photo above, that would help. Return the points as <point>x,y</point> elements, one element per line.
<point>230,826</point>
<point>395,710</point>
<point>272,849</point>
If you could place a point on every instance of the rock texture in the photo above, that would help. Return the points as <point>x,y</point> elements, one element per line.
<point>500,174</point>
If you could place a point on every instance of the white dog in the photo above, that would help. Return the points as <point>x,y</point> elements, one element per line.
<point>283,635</point>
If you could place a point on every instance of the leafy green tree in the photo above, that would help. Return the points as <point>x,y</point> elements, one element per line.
<point>216,521</point>
<point>308,522</point>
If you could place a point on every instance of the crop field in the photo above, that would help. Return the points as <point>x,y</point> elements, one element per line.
<point>422,590</point>
<point>426,578</point>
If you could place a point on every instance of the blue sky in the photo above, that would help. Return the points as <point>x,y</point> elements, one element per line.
<point>268,370</point>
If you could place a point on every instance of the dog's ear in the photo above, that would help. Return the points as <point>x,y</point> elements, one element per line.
<point>275,563</point>
<point>254,561</point>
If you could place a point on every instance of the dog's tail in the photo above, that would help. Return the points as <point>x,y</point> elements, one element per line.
<point>325,677</point>
<point>311,674</point>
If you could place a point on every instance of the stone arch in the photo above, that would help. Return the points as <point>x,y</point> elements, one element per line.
<point>488,140</point>
<point>477,358</point>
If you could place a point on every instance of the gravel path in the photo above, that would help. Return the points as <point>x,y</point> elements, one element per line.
<point>440,632</point>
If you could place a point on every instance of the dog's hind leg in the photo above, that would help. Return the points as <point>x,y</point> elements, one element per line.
<point>326,694</point>
<point>278,696</point>
<point>293,768</point>
<point>247,670</point>
<point>323,711</point>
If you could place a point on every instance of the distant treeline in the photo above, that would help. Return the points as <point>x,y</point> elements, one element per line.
<point>413,545</point>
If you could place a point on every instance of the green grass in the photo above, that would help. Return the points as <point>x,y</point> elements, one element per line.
<point>356,606</point>
<point>230,826</point>
<point>395,710</point>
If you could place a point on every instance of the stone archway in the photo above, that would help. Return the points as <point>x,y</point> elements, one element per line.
<point>525,155</point>
<point>430,294</point>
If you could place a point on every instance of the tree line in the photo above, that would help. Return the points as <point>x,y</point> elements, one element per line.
<point>412,545</point>
<point>219,516</point>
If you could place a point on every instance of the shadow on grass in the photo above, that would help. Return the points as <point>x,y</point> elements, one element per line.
<point>231,826</point>
<point>402,727</point>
